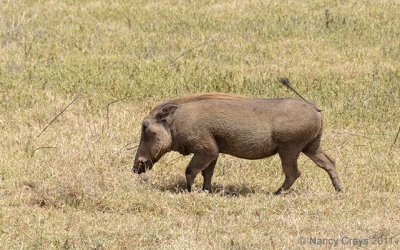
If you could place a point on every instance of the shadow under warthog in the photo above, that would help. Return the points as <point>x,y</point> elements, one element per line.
<point>220,190</point>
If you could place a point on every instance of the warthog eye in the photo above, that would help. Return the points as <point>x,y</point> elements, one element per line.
<point>145,125</point>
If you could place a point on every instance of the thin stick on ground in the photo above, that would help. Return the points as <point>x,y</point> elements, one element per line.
<point>129,148</point>
<point>353,134</point>
<point>210,39</point>
<point>213,38</point>
<point>55,118</point>
<point>395,139</point>
<point>108,109</point>
<point>39,148</point>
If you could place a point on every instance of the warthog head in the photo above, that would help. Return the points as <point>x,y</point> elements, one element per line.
<point>156,139</point>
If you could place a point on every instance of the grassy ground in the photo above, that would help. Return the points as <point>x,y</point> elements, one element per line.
<point>71,187</point>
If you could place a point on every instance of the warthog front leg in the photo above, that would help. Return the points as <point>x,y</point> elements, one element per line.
<point>198,163</point>
<point>207,175</point>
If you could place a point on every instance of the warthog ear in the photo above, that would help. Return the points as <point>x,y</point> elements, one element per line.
<point>166,113</point>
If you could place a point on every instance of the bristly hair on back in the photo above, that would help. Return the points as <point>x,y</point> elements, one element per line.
<point>198,97</point>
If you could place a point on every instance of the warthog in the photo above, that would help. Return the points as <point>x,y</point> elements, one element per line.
<point>249,128</point>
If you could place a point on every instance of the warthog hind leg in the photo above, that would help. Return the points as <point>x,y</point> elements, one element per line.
<point>326,163</point>
<point>289,165</point>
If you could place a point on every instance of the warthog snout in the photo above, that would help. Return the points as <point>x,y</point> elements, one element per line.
<point>141,165</point>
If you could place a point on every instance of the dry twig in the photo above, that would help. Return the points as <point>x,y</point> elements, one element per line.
<point>213,37</point>
<point>108,109</point>
<point>55,118</point>
<point>39,148</point>
<point>395,139</point>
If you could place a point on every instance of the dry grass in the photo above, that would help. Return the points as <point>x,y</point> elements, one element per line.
<point>71,187</point>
